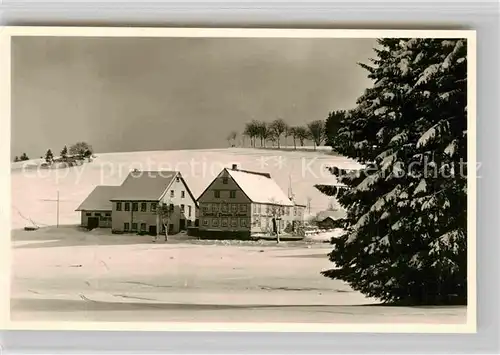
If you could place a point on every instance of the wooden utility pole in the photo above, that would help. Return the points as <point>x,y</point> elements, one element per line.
<point>57,207</point>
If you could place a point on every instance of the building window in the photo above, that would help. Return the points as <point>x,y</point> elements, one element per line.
<point>97,214</point>
<point>243,222</point>
<point>294,211</point>
<point>206,208</point>
<point>183,194</point>
<point>234,222</point>
<point>243,207</point>
<point>153,207</point>
<point>134,226</point>
<point>205,222</point>
<point>225,180</point>
<point>182,208</point>
<point>224,207</point>
<point>214,207</point>
<point>171,207</point>
<point>177,179</point>
<point>189,211</point>
<point>143,227</point>
<point>216,193</point>
<point>127,206</point>
<point>215,222</point>
<point>135,206</point>
<point>172,193</point>
<point>126,226</point>
<point>232,194</point>
<point>118,206</point>
<point>108,214</point>
<point>143,206</point>
<point>88,214</point>
<point>268,209</point>
<point>234,208</point>
<point>224,222</point>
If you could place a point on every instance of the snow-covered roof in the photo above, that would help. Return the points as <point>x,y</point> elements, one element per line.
<point>333,214</point>
<point>259,187</point>
<point>144,186</point>
<point>99,199</point>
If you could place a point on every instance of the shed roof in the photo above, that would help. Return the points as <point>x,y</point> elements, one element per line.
<point>99,199</point>
<point>333,214</point>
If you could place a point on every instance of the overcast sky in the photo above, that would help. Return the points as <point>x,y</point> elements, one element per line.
<point>128,94</point>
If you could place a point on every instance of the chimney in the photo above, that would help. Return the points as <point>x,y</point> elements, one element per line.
<point>235,167</point>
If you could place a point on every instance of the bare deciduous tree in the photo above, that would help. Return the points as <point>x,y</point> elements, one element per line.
<point>316,132</point>
<point>276,211</point>
<point>231,137</point>
<point>302,134</point>
<point>277,128</point>
<point>263,132</point>
<point>251,131</point>
<point>164,211</point>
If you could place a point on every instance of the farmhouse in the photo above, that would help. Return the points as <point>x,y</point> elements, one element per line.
<point>96,208</point>
<point>134,206</point>
<point>238,203</point>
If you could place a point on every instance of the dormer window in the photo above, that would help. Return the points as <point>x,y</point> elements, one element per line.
<point>225,180</point>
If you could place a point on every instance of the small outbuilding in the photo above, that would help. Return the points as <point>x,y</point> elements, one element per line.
<point>96,208</point>
<point>326,219</point>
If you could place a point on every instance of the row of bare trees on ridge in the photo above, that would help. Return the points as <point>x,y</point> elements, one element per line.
<point>262,132</point>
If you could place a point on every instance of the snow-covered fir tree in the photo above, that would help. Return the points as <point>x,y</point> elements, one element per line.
<point>64,152</point>
<point>406,225</point>
<point>49,157</point>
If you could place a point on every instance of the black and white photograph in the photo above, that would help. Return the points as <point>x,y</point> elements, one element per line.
<point>241,178</point>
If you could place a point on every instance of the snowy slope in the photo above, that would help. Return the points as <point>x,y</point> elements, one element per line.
<point>34,190</point>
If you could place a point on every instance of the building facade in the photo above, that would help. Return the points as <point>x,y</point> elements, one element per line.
<point>238,203</point>
<point>135,207</point>
<point>96,209</point>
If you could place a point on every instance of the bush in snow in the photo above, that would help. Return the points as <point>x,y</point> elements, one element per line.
<point>406,224</point>
<point>81,150</point>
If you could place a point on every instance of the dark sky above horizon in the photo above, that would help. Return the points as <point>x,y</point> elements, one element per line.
<point>129,94</point>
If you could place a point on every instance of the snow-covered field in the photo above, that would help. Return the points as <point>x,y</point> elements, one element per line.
<point>73,275</point>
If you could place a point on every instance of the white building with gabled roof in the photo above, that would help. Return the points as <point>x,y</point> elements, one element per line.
<point>133,205</point>
<point>238,203</point>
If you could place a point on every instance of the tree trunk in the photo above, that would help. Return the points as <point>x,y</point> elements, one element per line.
<point>166,230</point>
<point>294,143</point>
<point>278,139</point>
